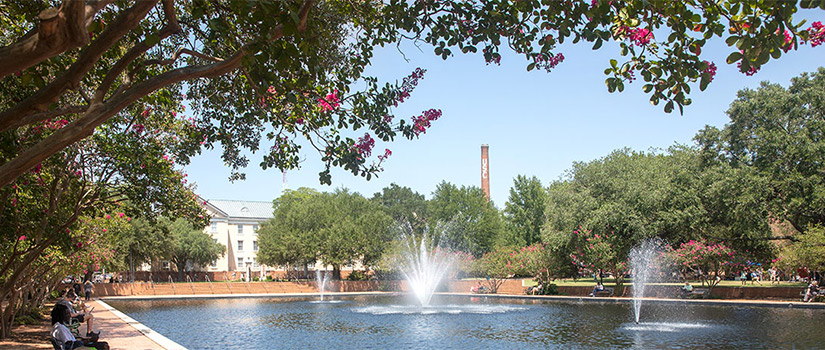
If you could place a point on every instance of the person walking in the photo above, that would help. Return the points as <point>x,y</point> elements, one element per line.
<point>87,288</point>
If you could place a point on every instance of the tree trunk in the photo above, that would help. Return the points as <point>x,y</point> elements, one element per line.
<point>181,269</point>
<point>131,268</point>
<point>336,272</point>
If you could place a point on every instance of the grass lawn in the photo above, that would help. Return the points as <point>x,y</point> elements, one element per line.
<point>611,282</point>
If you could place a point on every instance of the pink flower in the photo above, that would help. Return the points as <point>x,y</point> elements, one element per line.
<point>330,102</point>
<point>365,145</point>
<point>22,238</point>
<point>108,216</point>
<point>120,215</point>
<point>816,34</point>
<point>710,70</point>
<point>639,36</point>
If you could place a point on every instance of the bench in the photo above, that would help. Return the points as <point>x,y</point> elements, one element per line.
<point>697,293</point>
<point>607,292</point>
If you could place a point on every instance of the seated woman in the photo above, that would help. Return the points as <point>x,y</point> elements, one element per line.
<point>598,288</point>
<point>79,317</point>
<point>64,337</point>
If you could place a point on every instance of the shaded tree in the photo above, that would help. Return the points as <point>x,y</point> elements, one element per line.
<point>777,134</point>
<point>524,211</point>
<point>474,223</point>
<point>403,204</point>
<point>190,247</point>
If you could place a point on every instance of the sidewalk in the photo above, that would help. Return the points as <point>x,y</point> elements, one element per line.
<point>124,333</point>
<point>117,329</point>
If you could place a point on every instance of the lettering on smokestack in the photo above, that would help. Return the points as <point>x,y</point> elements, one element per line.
<point>485,171</point>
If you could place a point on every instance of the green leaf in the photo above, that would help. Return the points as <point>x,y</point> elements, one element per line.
<point>731,40</point>
<point>613,63</point>
<point>806,4</point>
<point>734,57</point>
<point>703,84</point>
<point>531,66</point>
<point>152,39</point>
<point>647,88</point>
<point>776,53</point>
<point>598,44</point>
<point>669,107</point>
<point>611,84</point>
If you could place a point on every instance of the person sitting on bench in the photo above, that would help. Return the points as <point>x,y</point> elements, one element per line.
<point>811,292</point>
<point>79,317</point>
<point>598,288</point>
<point>687,289</point>
<point>62,336</point>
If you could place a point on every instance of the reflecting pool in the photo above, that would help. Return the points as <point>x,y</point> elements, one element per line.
<point>385,322</point>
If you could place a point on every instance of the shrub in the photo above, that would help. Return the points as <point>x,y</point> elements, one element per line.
<point>358,276</point>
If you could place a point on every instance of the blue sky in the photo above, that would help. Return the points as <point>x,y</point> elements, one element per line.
<point>535,123</point>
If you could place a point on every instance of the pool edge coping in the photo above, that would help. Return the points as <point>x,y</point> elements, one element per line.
<point>721,302</point>
<point>158,338</point>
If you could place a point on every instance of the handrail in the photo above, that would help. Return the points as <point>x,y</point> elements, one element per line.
<point>210,283</point>
<point>191,284</point>
<point>173,284</point>
<point>263,281</point>
<point>226,279</point>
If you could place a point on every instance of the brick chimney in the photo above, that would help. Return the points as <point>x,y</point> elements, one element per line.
<point>485,171</point>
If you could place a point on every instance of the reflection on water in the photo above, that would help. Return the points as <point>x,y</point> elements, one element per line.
<point>459,323</point>
<point>436,309</point>
<point>664,327</point>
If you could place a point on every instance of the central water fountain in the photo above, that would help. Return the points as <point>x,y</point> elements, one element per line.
<point>424,263</point>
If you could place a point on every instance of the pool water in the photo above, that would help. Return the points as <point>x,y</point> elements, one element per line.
<point>392,322</point>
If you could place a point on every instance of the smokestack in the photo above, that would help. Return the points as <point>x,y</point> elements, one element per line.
<point>485,171</point>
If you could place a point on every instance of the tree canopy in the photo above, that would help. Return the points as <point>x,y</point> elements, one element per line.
<point>292,70</point>
<point>336,228</point>
<point>777,132</point>
<point>475,225</point>
<point>524,211</point>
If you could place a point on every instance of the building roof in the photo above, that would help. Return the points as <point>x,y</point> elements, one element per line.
<point>242,209</point>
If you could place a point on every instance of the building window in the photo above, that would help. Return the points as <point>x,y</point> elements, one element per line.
<point>240,246</point>
<point>349,266</point>
<point>311,265</point>
<point>214,227</point>
<point>254,228</point>
<point>281,267</point>
<point>254,263</point>
<point>164,265</point>
<point>240,229</point>
<point>254,246</point>
<point>240,263</point>
<point>214,264</point>
<point>215,240</point>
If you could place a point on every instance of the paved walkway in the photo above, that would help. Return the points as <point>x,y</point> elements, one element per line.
<point>123,332</point>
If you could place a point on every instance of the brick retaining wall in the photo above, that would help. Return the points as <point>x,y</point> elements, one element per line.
<point>510,286</point>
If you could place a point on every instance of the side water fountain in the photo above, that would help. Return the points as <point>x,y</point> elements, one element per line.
<point>321,278</point>
<point>643,264</point>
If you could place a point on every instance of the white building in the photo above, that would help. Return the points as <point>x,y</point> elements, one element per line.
<point>234,223</point>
